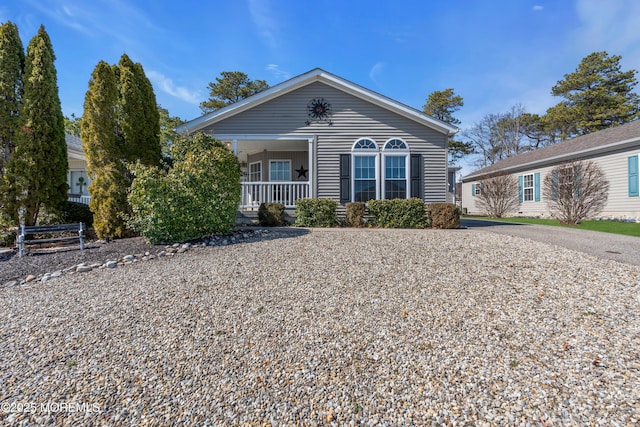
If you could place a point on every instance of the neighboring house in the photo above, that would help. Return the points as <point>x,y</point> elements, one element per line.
<point>320,136</point>
<point>77,176</point>
<point>614,150</point>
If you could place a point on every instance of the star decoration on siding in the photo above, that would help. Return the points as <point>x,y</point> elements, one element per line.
<point>302,172</point>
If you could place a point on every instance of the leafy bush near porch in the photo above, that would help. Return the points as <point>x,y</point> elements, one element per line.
<point>316,213</point>
<point>199,195</point>
<point>76,212</point>
<point>443,215</point>
<point>271,214</point>
<point>355,213</point>
<point>397,213</point>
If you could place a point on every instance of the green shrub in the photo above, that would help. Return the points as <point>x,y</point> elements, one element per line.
<point>397,213</point>
<point>271,214</point>
<point>444,215</point>
<point>316,213</point>
<point>199,195</point>
<point>76,212</point>
<point>355,214</point>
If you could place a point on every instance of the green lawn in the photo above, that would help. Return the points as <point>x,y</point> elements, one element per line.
<point>626,228</point>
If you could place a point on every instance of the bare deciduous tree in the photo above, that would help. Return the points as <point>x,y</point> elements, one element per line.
<point>498,195</point>
<point>575,191</point>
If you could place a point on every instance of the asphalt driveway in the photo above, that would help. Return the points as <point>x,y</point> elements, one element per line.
<point>603,245</point>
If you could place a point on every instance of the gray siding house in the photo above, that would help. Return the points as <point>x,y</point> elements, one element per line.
<point>614,150</point>
<point>320,136</point>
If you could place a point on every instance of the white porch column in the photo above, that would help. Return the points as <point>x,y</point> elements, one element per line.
<point>312,168</point>
<point>235,146</point>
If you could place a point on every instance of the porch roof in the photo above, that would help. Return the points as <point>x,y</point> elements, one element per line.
<point>244,145</point>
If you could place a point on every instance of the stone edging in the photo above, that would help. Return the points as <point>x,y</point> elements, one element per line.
<point>168,251</point>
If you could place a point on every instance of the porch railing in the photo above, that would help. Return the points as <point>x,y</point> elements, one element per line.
<point>287,192</point>
<point>80,198</point>
<point>253,193</point>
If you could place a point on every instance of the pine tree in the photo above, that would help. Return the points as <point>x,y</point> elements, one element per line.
<point>441,104</point>
<point>11,67</point>
<point>139,118</point>
<point>38,166</point>
<point>104,153</point>
<point>598,95</point>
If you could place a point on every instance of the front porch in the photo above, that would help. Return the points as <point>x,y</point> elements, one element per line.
<point>275,168</point>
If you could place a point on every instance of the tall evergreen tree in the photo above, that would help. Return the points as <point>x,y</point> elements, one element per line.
<point>120,125</point>
<point>104,153</point>
<point>139,120</point>
<point>232,87</point>
<point>38,166</point>
<point>11,67</point>
<point>598,95</point>
<point>441,104</point>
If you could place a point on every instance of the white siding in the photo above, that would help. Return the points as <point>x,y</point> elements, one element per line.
<point>353,118</point>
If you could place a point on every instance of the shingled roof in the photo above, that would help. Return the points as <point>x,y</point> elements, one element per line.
<point>571,149</point>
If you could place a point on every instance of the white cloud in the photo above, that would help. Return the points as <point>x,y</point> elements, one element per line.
<point>266,24</point>
<point>277,72</point>
<point>376,72</point>
<point>537,8</point>
<point>167,85</point>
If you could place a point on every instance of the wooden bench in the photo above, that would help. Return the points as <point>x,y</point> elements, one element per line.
<point>30,230</point>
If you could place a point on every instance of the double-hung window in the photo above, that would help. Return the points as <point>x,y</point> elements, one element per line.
<point>396,165</point>
<point>527,187</point>
<point>365,170</point>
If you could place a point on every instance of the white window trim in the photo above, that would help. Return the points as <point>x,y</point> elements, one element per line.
<point>254,163</point>
<point>279,160</point>
<point>532,187</point>
<point>395,152</point>
<point>365,152</point>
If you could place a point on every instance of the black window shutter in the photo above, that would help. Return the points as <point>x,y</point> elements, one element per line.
<point>345,178</point>
<point>416,176</point>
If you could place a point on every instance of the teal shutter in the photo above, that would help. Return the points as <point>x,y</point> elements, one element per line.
<point>520,189</point>
<point>473,190</point>
<point>633,176</point>
<point>536,186</point>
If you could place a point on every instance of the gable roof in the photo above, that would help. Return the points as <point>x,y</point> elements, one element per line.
<point>594,143</point>
<point>316,75</point>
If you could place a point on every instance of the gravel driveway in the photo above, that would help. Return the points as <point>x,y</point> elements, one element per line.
<point>332,327</point>
<point>616,247</point>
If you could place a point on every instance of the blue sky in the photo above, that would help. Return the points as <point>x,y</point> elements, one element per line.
<point>494,53</point>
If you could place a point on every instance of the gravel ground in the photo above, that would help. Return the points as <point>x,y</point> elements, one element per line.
<point>330,327</point>
<point>43,260</point>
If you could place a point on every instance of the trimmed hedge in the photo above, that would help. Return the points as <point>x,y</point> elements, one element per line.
<point>316,213</point>
<point>355,213</point>
<point>271,214</point>
<point>444,215</point>
<point>398,213</point>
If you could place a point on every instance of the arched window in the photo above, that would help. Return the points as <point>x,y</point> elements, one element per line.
<point>395,158</point>
<point>365,170</point>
